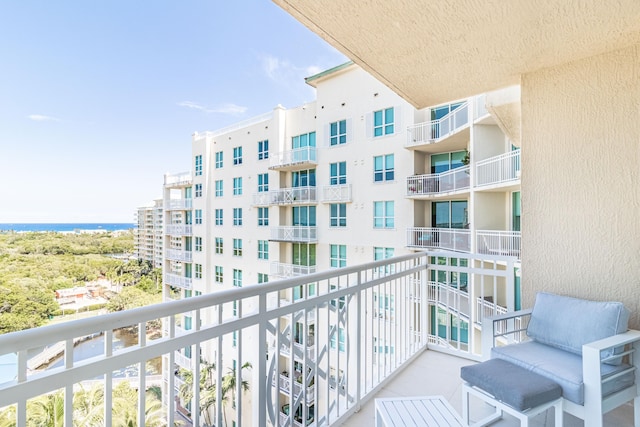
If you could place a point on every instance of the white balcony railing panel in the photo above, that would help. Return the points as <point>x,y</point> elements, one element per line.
<point>177,280</point>
<point>454,239</point>
<point>499,169</point>
<point>179,255</point>
<point>293,157</point>
<point>178,204</point>
<point>262,199</point>
<point>294,233</point>
<point>346,340</point>
<point>336,193</point>
<point>177,180</point>
<point>432,184</point>
<point>437,130</point>
<point>179,229</point>
<point>283,270</point>
<point>495,242</point>
<point>294,196</point>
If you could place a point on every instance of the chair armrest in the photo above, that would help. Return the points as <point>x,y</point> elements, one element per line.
<point>490,332</point>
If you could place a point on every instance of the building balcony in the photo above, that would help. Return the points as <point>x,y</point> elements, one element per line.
<point>295,233</point>
<point>449,133</point>
<point>284,383</point>
<point>177,280</point>
<point>294,196</point>
<point>438,184</point>
<point>495,242</point>
<point>453,239</point>
<point>499,171</point>
<point>182,179</point>
<point>262,198</point>
<point>179,230</point>
<point>178,204</point>
<point>298,158</point>
<point>179,255</point>
<point>340,193</point>
<point>369,358</point>
<point>284,270</point>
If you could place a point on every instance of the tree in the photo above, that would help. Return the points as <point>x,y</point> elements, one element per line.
<point>130,297</point>
<point>229,384</point>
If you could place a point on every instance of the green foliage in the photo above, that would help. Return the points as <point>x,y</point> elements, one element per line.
<point>131,297</point>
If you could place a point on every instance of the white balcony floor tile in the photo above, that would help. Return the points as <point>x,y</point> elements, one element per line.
<point>434,373</point>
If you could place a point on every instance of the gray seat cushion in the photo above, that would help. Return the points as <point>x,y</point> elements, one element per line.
<point>562,367</point>
<point>511,384</point>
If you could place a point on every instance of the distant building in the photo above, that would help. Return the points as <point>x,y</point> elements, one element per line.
<point>148,233</point>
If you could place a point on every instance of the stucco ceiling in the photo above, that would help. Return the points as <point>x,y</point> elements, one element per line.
<point>435,51</point>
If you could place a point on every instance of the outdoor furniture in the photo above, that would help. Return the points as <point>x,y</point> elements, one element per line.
<point>584,346</point>
<point>509,388</point>
<point>423,411</point>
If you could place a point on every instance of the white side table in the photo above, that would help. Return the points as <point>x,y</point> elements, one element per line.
<point>423,411</point>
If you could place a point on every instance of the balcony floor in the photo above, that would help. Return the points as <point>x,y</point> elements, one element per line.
<point>434,373</point>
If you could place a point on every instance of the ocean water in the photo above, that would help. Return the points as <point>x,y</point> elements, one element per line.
<point>67,227</point>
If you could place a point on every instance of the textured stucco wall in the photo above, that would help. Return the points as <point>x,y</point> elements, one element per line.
<point>581,180</point>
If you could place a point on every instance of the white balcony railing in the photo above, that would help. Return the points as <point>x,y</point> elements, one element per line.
<point>499,169</point>
<point>294,233</point>
<point>452,296</point>
<point>454,239</point>
<point>496,242</point>
<point>336,193</point>
<point>297,156</point>
<point>365,350</point>
<point>177,180</point>
<point>179,255</point>
<point>294,196</point>
<point>445,182</point>
<point>262,198</point>
<point>437,130</point>
<point>284,270</point>
<point>480,106</point>
<point>179,230</point>
<point>177,280</point>
<point>178,204</point>
<point>284,382</point>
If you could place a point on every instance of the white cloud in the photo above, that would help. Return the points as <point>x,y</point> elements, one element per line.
<point>285,72</point>
<point>229,108</point>
<point>42,118</point>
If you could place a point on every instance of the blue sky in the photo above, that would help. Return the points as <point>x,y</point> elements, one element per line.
<point>98,99</point>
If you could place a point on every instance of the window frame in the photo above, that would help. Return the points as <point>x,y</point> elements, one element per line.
<point>384,218</point>
<point>237,155</point>
<point>386,124</point>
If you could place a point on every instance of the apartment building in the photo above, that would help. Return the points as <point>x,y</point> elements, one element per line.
<point>148,235</point>
<point>356,176</point>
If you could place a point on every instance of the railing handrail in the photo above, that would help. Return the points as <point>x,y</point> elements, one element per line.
<point>499,157</point>
<point>453,171</point>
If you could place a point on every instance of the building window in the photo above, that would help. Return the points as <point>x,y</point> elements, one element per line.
<point>219,158</point>
<point>219,217</point>
<point>237,186</point>
<point>338,173</point>
<point>237,216</point>
<point>237,278</point>
<point>237,247</point>
<point>380,253</point>
<point>338,255</point>
<point>198,190</point>
<point>383,122</point>
<point>263,149</point>
<point>198,167</point>
<point>219,245</point>
<point>263,249</point>
<point>198,271</point>
<point>450,214</point>
<point>305,178</point>
<point>383,214</point>
<point>263,182</point>
<point>198,245</point>
<point>304,215</point>
<point>237,155</point>
<point>338,132</point>
<point>198,216</point>
<point>304,140</point>
<point>219,274</point>
<point>341,340</point>
<point>188,217</point>
<point>219,188</point>
<point>338,215</point>
<point>263,217</point>
<point>187,270</point>
<point>383,168</point>
<point>263,278</point>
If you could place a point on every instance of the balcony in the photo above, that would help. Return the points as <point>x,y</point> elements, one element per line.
<point>340,193</point>
<point>294,196</point>
<point>453,239</point>
<point>451,130</point>
<point>284,270</point>
<point>181,179</point>
<point>499,171</point>
<point>494,242</point>
<point>438,184</point>
<point>369,357</point>
<point>178,204</point>
<point>179,230</point>
<point>298,158</point>
<point>262,198</point>
<point>179,255</point>
<point>295,233</point>
<point>177,280</point>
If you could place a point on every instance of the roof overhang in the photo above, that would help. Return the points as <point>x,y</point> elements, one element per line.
<point>432,52</point>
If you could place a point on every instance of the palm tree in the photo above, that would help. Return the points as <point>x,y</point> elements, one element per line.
<point>207,388</point>
<point>230,383</point>
<point>46,410</point>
